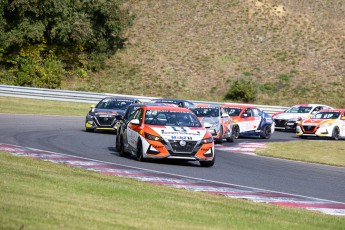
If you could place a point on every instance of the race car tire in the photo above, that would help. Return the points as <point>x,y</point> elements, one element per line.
<point>335,133</point>
<point>302,137</point>
<point>117,143</point>
<point>140,156</point>
<point>89,130</point>
<point>236,131</point>
<point>122,151</point>
<point>207,163</point>
<point>231,138</point>
<point>266,134</point>
<point>220,139</point>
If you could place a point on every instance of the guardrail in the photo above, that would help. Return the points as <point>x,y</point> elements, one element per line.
<point>90,97</point>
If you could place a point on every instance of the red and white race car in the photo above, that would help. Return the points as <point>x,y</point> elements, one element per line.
<point>288,119</point>
<point>325,123</point>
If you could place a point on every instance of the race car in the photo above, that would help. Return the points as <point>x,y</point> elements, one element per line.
<point>125,118</point>
<point>219,122</point>
<point>251,120</point>
<point>166,132</point>
<point>103,115</point>
<point>326,123</point>
<point>177,102</point>
<point>287,120</point>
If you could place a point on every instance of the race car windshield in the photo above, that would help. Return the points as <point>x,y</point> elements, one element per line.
<point>206,112</point>
<point>233,111</point>
<point>171,118</point>
<point>299,109</point>
<point>113,104</point>
<point>326,115</point>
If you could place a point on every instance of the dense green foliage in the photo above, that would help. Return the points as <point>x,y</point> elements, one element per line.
<point>243,91</point>
<point>41,42</point>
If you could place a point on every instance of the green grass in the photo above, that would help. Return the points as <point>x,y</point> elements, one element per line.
<point>37,106</point>
<point>41,195</point>
<point>322,152</point>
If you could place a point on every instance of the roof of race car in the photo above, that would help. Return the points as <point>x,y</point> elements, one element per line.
<point>332,110</point>
<point>309,105</point>
<point>229,105</point>
<point>203,105</point>
<point>170,100</point>
<point>120,98</point>
<point>166,107</point>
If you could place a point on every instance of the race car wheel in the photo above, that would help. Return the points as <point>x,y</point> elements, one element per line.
<point>335,133</point>
<point>266,134</point>
<point>140,152</point>
<point>121,151</point>
<point>220,139</point>
<point>117,143</point>
<point>89,130</point>
<point>207,163</point>
<point>302,137</point>
<point>236,131</point>
<point>231,137</point>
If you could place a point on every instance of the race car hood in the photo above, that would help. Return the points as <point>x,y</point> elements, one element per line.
<point>316,121</point>
<point>287,116</point>
<point>210,120</point>
<point>179,133</point>
<point>109,111</point>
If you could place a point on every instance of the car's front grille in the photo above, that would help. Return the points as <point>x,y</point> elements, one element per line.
<point>280,123</point>
<point>309,128</point>
<point>178,148</point>
<point>105,121</point>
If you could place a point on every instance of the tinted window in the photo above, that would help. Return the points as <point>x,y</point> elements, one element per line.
<point>299,109</point>
<point>113,104</point>
<point>233,111</point>
<point>206,112</point>
<point>130,111</point>
<point>171,118</point>
<point>326,115</point>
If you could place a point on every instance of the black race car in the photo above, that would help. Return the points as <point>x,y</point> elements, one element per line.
<point>103,115</point>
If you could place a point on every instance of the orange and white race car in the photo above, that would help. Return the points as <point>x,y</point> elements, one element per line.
<point>251,120</point>
<point>219,123</point>
<point>166,132</point>
<point>325,123</point>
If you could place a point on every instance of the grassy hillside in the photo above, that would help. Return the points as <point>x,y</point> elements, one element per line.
<point>195,49</point>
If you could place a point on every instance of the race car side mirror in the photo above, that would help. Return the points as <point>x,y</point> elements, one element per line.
<point>135,122</point>
<point>92,106</point>
<point>343,118</point>
<point>244,115</point>
<point>207,125</point>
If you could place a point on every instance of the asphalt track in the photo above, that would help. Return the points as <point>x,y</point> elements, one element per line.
<point>66,135</point>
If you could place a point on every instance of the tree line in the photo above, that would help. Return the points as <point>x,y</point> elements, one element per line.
<point>44,41</point>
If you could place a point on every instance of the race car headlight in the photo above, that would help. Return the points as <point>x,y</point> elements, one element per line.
<point>207,140</point>
<point>152,137</point>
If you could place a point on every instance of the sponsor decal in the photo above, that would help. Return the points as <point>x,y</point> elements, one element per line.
<point>181,138</point>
